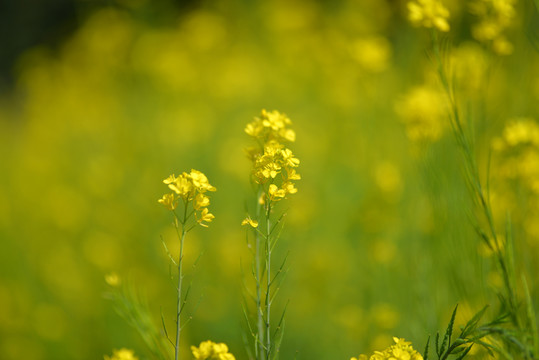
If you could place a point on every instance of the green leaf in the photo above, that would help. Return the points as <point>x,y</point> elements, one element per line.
<point>278,341</point>
<point>471,325</point>
<point>448,332</point>
<point>530,313</point>
<point>465,352</point>
<point>426,352</point>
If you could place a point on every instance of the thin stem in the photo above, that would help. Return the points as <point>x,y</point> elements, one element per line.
<point>179,303</point>
<point>268,279</point>
<point>474,179</point>
<point>259,310</point>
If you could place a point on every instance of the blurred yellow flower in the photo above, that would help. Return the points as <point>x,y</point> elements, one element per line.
<point>372,53</point>
<point>292,175</point>
<point>169,201</point>
<point>289,188</point>
<point>360,357</point>
<point>428,13</point>
<point>470,64</point>
<point>521,131</point>
<point>210,350</point>
<point>249,221</point>
<point>271,126</point>
<point>422,110</point>
<point>170,180</point>
<point>112,279</point>
<point>122,354</point>
<point>495,16</point>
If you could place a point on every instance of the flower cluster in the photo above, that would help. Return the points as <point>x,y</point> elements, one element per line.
<point>372,53</point>
<point>519,149</point>
<point>402,350</point>
<point>422,111</point>
<point>495,16</point>
<point>212,351</point>
<point>271,126</point>
<point>122,354</point>
<point>429,14</point>
<point>469,62</point>
<point>273,162</point>
<point>515,188</point>
<point>190,187</point>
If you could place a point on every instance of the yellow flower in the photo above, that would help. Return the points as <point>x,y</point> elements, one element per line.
<point>274,120</point>
<point>495,16</point>
<point>372,53</point>
<point>206,216</point>
<point>254,129</point>
<point>182,186</point>
<point>112,279</point>
<point>428,13</point>
<point>292,174</point>
<point>289,158</point>
<point>360,357</point>
<point>171,179</point>
<point>289,188</point>
<point>249,221</point>
<point>201,201</point>
<point>204,351</point>
<point>122,354</point>
<point>200,181</point>
<point>288,134</point>
<point>271,126</point>
<point>275,193</point>
<point>210,350</point>
<point>402,350</point>
<point>169,201</point>
<point>190,187</point>
<point>422,111</point>
<point>521,131</point>
<point>271,159</point>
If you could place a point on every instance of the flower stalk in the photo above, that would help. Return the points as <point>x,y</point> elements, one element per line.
<point>190,189</point>
<point>273,174</point>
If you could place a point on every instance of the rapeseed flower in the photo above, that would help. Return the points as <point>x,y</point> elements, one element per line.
<point>210,350</point>
<point>271,126</point>
<point>495,16</point>
<point>273,162</point>
<point>205,216</point>
<point>422,111</point>
<point>191,188</point>
<point>169,201</point>
<point>401,350</point>
<point>249,221</point>
<point>518,147</point>
<point>372,53</point>
<point>122,354</point>
<point>429,14</point>
<point>112,279</point>
<point>517,175</point>
<point>470,63</point>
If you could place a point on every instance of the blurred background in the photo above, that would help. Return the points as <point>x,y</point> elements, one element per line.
<point>102,100</point>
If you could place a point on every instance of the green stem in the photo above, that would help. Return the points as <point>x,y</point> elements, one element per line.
<point>260,312</point>
<point>268,279</point>
<point>179,304</point>
<point>475,179</point>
